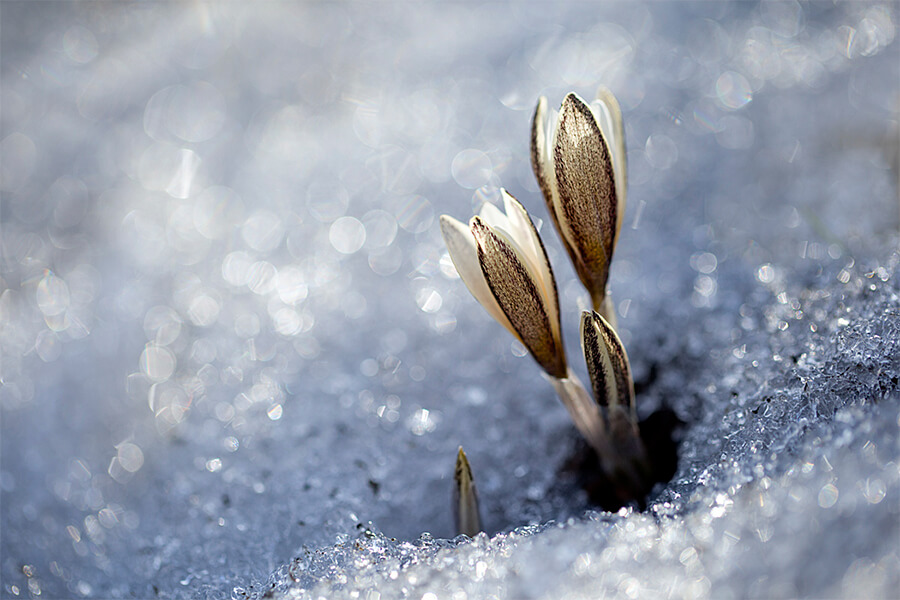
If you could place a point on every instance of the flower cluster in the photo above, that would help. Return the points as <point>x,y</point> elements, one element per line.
<point>578,157</point>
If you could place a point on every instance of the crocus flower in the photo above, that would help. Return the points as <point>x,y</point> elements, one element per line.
<point>578,156</point>
<point>502,261</point>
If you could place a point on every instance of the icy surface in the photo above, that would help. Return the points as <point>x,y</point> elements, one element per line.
<point>236,360</point>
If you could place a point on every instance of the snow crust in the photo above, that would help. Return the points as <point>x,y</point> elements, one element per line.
<point>237,361</point>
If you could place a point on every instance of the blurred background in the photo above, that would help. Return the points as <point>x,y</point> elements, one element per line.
<point>229,326</point>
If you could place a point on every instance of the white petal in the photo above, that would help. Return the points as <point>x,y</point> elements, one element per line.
<point>464,254</point>
<point>543,125</point>
<point>539,134</point>
<point>584,412</point>
<point>511,232</point>
<point>520,226</point>
<point>494,217</point>
<point>610,114</point>
<point>543,138</point>
<point>550,121</point>
<point>500,223</point>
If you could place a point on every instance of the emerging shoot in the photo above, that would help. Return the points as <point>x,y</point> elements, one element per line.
<point>625,460</point>
<point>465,498</point>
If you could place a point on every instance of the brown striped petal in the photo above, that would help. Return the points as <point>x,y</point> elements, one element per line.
<point>519,297</point>
<point>529,240</point>
<point>607,363</point>
<point>585,180</point>
<point>543,130</point>
<point>541,157</point>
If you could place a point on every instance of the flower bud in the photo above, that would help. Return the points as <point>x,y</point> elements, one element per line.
<point>502,261</point>
<point>578,157</point>
<point>607,364</point>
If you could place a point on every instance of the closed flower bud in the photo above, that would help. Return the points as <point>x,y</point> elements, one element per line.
<point>578,156</point>
<point>502,261</point>
<point>625,458</point>
<point>607,363</point>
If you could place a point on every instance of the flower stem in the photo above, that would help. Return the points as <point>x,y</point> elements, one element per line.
<point>615,438</point>
<point>604,305</point>
<point>582,409</point>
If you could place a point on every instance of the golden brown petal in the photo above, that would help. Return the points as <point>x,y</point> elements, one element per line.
<point>542,166</point>
<point>463,252</point>
<point>607,362</point>
<point>585,183</point>
<point>519,298</point>
<point>539,262</point>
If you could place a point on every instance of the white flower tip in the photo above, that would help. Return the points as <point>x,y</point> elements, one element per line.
<point>450,226</point>
<point>539,111</point>
<point>510,204</point>
<point>605,96</point>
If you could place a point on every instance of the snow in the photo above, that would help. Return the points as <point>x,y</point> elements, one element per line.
<point>237,361</point>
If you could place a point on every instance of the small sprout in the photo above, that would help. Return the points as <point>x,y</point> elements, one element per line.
<point>624,459</point>
<point>578,157</point>
<point>465,498</point>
